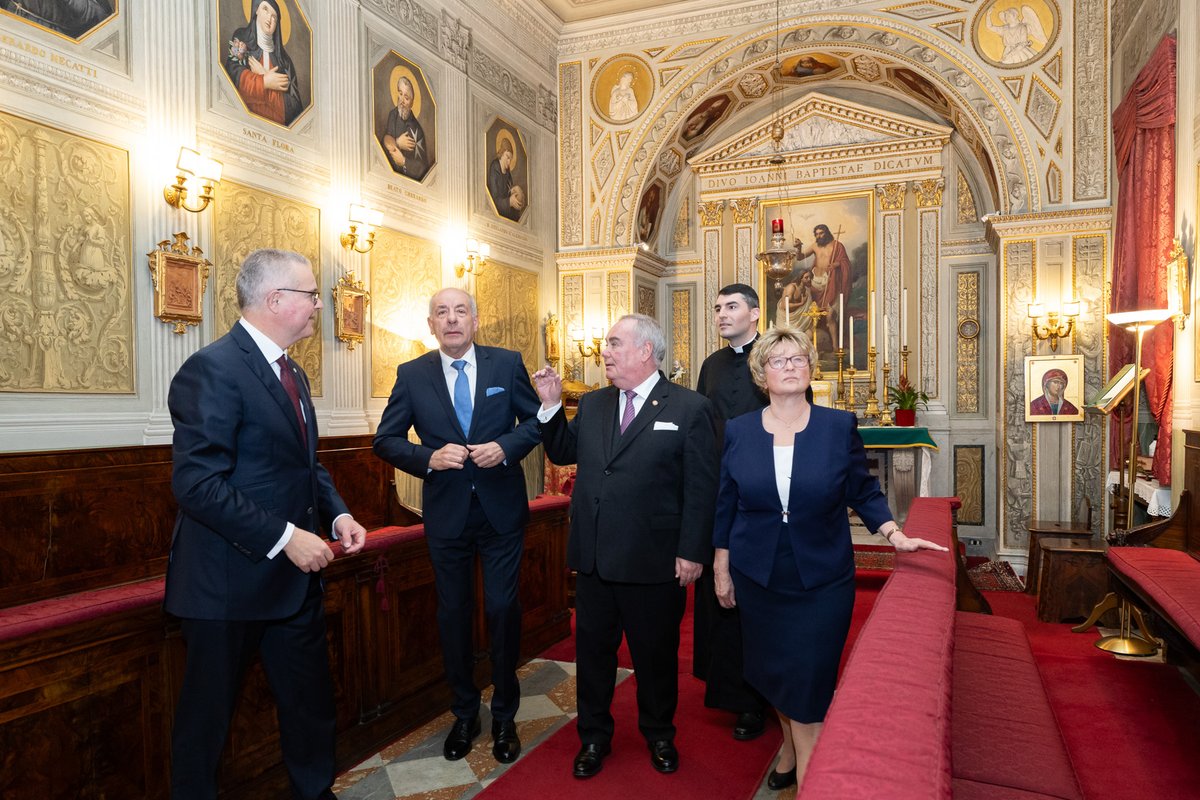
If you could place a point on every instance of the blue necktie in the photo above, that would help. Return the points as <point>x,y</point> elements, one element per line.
<point>462,396</point>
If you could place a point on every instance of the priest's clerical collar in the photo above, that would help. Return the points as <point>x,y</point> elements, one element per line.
<point>741,348</point>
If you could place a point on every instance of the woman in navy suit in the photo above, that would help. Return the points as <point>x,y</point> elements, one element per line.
<point>782,538</point>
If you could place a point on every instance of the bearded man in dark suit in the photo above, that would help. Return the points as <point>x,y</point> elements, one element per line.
<point>641,516</point>
<point>244,572</point>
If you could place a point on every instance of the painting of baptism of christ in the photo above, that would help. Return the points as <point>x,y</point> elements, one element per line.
<point>829,289</point>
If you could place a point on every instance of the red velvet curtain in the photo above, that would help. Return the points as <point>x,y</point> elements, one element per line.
<point>1144,134</point>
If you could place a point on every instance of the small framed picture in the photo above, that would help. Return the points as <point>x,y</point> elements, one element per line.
<point>1054,389</point>
<point>350,301</point>
<point>179,275</point>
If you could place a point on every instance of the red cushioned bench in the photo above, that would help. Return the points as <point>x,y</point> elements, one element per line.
<point>935,702</point>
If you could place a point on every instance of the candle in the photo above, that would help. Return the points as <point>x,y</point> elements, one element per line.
<point>885,330</point>
<point>777,225</point>
<point>840,318</point>
<point>851,344</point>
<point>871,322</point>
<point>787,309</point>
<point>903,314</point>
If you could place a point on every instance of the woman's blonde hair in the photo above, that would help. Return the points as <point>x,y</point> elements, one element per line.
<point>768,342</point>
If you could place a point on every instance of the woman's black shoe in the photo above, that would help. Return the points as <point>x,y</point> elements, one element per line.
<point>781,780</point>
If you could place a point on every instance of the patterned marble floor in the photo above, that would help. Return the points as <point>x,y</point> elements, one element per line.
<point>412,768</point>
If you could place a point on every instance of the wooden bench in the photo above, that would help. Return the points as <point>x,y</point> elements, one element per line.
<point>935,701</point>
<point>90,665</point>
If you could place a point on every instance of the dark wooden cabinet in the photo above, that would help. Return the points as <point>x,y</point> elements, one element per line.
<point>1072,578</point>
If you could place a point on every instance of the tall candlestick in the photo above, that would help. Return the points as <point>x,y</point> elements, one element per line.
<point>841,321</point>
<point>903,315</point>
<point>787,309</point>
<point>885,330</point>
<point>851,344</point>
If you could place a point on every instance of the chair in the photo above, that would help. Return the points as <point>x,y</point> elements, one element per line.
<point>1079,527</point>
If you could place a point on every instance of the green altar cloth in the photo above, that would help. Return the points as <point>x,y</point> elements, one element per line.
<point>880,436</point>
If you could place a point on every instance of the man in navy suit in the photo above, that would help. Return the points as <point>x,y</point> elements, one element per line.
<point>474,411</point>
<point>244,572</point>
<point>641,518</point>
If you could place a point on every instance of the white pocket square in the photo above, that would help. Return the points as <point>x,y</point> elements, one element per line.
<point>665,426</point>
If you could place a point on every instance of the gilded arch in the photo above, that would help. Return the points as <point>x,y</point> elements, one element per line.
<point>974,96</point>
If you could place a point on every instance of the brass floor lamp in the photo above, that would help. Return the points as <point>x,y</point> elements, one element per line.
<point>1125,642</point>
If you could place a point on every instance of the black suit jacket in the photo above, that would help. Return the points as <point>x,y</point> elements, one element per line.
<point>645,498</point>
<point>504,411</point>
<point>241,473</point>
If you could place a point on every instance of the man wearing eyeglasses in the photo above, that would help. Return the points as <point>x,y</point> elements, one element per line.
<point>717,646</point>
<point>247,554</point>
<point>475,414</point>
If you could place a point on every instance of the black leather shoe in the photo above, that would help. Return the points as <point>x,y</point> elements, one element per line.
<point>781,780</point>
<point>458,740</point>
<point>749,725</point>
<point>505,744</point>
<point>663,756</point>
<point>590,759</point>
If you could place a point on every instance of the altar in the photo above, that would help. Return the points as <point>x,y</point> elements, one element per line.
<point>908,466</point>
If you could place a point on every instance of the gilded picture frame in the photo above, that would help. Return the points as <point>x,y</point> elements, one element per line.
<point>849,220</point>
<point>180,276</point>
<point>1045,402</point>
<point>350,301</point>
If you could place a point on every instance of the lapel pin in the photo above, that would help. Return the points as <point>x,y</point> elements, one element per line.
<point>653,402</point>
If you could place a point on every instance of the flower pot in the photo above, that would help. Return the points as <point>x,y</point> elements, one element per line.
<point>905,417</point>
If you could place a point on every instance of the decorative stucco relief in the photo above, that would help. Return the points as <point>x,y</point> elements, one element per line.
<point>570,154</point>
<point>1089,122</point>
<point>1016,436</point>
<point>968,365</point>
<point>680,367</point>
<point>508,315</point>
<point>405,272</point>
<point>1088,269</point>
<point>66,283</point>
<point>245,219</point>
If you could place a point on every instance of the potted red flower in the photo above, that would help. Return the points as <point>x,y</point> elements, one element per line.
<point>904,398</point>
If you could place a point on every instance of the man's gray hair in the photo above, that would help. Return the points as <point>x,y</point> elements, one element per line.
<point>647,329</point>
<point>261,272</point>
<point>471,297</point>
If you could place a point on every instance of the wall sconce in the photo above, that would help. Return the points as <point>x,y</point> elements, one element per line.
<point>1053,329</point>
<point>476,257</point>
<point>365,219</point>
<point>591,351</point>
<point>193,171</point>
<point>1177,285</point>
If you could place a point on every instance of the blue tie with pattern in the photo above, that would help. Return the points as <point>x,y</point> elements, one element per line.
<point>462,396</point>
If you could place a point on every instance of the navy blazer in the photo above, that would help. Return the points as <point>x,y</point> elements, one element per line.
<point>829,473</point>
<point>504,411</point>
<point>241,473</point>
<point>646,497</point>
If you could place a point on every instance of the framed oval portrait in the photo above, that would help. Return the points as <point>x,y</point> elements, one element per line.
<point>1014,33</point>
<point>622,88</point>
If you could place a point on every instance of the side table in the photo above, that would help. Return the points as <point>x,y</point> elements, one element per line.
<point>1072,578</point>
<point>1039,531</point>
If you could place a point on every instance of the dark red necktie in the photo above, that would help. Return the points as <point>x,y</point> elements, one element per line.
<point>289,385</point>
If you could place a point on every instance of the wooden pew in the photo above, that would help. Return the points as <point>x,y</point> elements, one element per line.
<point>90,665</point>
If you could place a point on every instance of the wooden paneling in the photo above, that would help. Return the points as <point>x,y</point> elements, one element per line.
<point>86,708</point>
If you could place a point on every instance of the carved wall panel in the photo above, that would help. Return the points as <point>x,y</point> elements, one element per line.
<point>66,287</point>
<point>1017,437</point>
<point>682,238</point>
<point>570,154</point>
<point>969,468</point>
<point>405,273</point>
<point>927,311</point>
<point>508,310</point>
<point>968,362</point>
<point>1089,123</point>
<point>619,302</point>
<point>1088,268</point>
<point>572,318</point>
<point>647,299</point>
<point>966,202</point>
<point>246,219</point>
<point>681,336</point>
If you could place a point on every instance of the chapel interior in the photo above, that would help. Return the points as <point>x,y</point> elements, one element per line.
<point>1003,174</point>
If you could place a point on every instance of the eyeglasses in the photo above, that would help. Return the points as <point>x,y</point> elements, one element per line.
<point>779,362</point>
<point>314,294</point>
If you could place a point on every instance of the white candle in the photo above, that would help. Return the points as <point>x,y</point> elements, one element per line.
<point>871,322</point>
<point>884,341</point>
<point>903,314</point>
<point>840,321</point>
<point>851,344</point>
<point>787,309</point>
